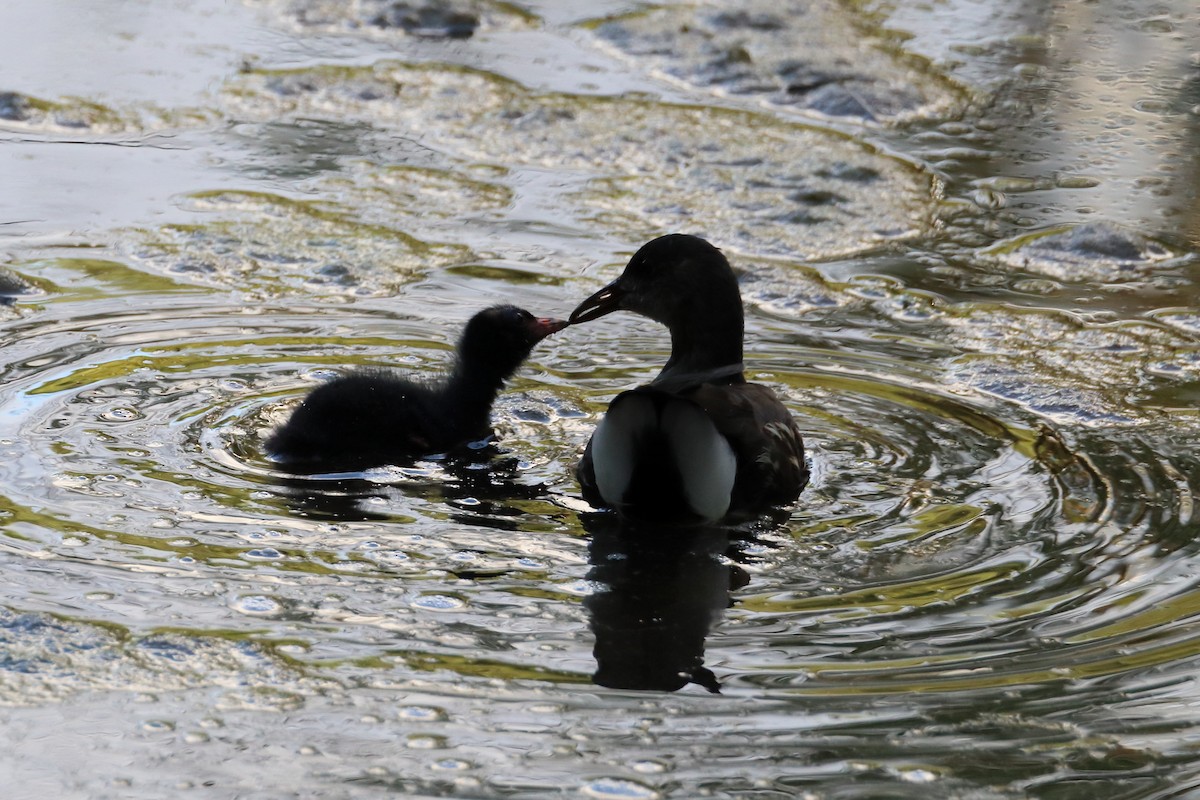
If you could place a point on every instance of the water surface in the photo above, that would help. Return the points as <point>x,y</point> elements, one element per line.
<point>966,234</point>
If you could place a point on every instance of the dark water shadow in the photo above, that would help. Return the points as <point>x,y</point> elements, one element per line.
<point>487,478</point>
<point>659,592</point>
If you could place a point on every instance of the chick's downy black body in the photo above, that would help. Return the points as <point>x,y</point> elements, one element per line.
<point>371,418</point>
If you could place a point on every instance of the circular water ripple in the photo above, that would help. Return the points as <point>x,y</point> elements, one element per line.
<point>954,544</point>
<point>135,437</point>
<point>954,551</point>
<point>948,542</point>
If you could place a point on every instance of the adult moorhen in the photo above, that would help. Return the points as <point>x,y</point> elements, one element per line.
<point>371,418</point>
<point>698,443</point>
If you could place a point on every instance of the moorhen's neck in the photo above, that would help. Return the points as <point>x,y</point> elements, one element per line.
<point>706,342</point>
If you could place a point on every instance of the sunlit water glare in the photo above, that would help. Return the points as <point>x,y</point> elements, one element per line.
<point>982,314</point>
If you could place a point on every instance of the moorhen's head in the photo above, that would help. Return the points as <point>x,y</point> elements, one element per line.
<point>686,284</point>
<point>676,280</point>
<point>498,339</point>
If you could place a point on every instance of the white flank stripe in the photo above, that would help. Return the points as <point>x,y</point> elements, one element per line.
<point>706,462</point>
<point>613,443</point>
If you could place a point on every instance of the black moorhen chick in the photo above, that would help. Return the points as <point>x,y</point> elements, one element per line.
<point>371,418</point>
<point>698,443</point>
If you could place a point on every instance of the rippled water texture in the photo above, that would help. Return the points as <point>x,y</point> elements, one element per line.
<point>967,235</point>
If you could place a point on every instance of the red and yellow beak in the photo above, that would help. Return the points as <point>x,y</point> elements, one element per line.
<point>542,327</point>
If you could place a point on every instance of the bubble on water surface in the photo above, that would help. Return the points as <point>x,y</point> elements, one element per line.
<point>650,767</point>
<point>425,742</point>
<point>422,714</point>
<point>617,788</point>
<point>917,775</point>
<point>438,602</point>
<point>158,726</point>
<point>263,553</point>
<point>258,605</point>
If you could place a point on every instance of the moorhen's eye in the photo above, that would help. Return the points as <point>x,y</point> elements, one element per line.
<point>637,266</point>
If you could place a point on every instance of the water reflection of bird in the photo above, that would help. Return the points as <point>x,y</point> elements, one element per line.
<point>699,442</point>
<point>655,601</point>
<point>483,486</point>
<point>371,418</point>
